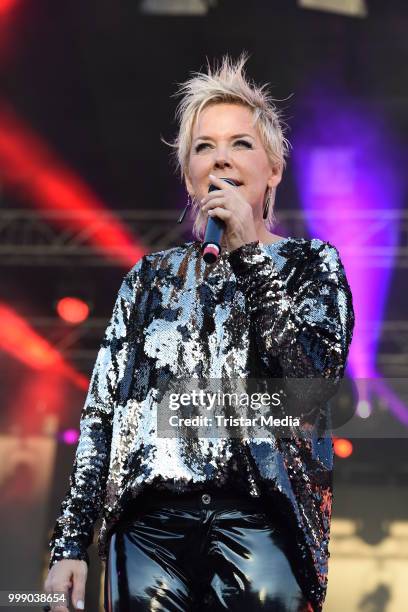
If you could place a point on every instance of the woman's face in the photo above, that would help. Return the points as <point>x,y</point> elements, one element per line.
<point>225,143</point>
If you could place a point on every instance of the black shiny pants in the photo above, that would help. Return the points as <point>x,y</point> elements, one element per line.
<point>200,552</point>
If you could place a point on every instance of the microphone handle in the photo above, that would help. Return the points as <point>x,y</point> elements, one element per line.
<point>211,247</point>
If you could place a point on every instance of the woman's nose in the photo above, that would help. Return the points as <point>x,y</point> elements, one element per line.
<point>221,159</point>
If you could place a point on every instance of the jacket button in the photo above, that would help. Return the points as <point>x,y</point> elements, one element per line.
<point>206,498</point>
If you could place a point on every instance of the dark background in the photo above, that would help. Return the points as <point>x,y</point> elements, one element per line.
<point>95,81</point>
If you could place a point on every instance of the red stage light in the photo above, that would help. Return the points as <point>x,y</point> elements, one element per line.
<point>6,6</point>
<point>30,167</point>
<point>19,339</point>
<point>72,310</point>
<point>343,447</point>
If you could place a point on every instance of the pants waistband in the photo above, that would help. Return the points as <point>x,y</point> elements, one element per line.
<point>201,500</point>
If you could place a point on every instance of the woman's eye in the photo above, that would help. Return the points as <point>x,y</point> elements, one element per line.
<point>244,142</point>
<point>200,146</point>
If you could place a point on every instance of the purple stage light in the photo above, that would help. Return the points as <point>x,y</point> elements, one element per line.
<point>70,436</point>
<point>348,186</point>
<point>351,192</point>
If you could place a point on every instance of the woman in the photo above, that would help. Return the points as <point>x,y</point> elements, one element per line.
<point>214,522</point>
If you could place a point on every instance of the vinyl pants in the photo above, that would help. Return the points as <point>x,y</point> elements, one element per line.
<point>200,552</point>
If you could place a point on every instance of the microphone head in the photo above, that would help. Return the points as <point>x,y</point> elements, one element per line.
<point>227,180</point>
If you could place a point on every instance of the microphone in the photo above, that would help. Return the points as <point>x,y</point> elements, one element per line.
<point>211,247</point>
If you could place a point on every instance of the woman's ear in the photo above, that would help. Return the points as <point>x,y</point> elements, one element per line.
<point>276,175</point>
<point>189,185</point>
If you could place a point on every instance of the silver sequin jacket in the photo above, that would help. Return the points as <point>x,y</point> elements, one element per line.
<point>278,310</point>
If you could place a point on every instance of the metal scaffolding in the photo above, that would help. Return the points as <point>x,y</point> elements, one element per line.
<point>33,238</point>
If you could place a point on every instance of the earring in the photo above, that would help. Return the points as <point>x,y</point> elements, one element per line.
<point>183,214</point>
<point>266,207</point>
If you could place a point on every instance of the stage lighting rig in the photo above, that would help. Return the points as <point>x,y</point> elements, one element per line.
<point>176,7</point>
<point>352,8</point>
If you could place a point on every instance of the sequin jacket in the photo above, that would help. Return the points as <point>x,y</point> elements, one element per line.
<point>278,310</point>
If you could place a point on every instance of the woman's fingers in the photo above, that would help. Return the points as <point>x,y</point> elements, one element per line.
<point>57,584</point>
<point>213,205</point>
<point>78,591</point>
<point>215,195</point>
<point>67,575</point>
<point>222,213</point>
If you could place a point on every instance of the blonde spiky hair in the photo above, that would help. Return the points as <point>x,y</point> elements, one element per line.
<point>227,83</point>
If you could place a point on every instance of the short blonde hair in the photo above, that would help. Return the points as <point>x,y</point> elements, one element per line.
<point>227,83</point>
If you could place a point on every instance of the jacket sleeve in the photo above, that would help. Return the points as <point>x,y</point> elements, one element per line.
<point>307,328</point>
<point>81,506</point>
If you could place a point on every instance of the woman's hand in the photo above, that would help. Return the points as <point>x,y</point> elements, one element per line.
<point>228,204</point>
<point>64,575</point>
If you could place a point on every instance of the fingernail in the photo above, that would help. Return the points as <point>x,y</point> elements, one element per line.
<point>211,176</point>
<point>80,605</point>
